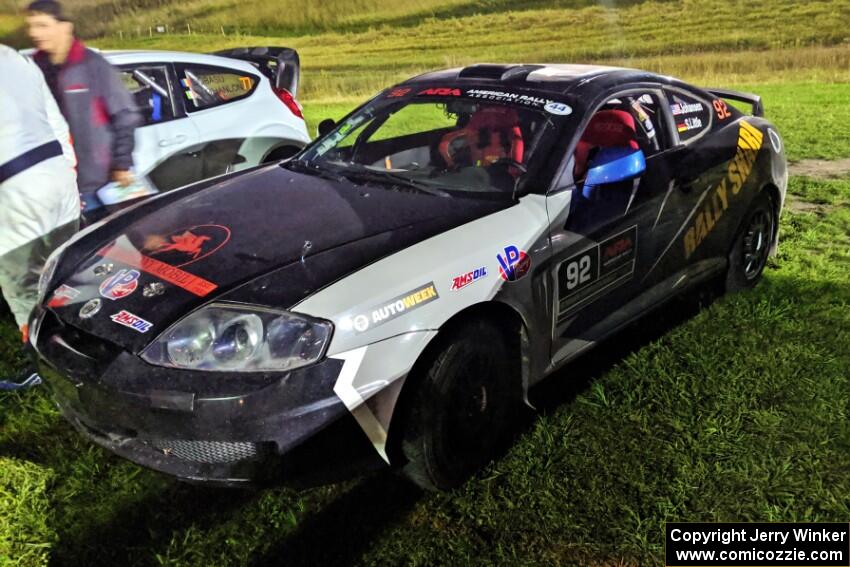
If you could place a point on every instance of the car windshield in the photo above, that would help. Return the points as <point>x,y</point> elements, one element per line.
<point>440,141</point>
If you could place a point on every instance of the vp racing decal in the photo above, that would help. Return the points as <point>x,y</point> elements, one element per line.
<point>119,286</point>
<point>396,307</point>
<point>513,264</point>
<point>719,199</point>
<point>583,277</point>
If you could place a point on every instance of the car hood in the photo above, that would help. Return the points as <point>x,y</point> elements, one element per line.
<point>141,271</point>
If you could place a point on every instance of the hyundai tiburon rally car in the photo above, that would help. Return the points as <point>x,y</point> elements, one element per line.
<point>388,296</point>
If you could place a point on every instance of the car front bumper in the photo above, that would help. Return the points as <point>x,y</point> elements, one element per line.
<point>204,427</point>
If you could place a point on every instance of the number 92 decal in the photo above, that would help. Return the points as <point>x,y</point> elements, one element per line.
<point>584,276</point>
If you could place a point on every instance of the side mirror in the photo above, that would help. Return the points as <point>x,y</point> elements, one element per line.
<point>612,165</point>
<point>326,126</point>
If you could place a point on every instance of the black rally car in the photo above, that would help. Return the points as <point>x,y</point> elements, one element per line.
<point>385,297</point>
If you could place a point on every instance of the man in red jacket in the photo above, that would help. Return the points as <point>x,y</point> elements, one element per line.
<point>99,109</point>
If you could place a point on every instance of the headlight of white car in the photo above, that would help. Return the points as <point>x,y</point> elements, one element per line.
<point>223,337</point>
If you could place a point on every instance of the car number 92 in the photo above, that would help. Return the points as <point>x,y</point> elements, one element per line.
<point>586,275</point>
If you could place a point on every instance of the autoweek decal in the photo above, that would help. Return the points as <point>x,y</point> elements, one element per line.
<point>718,201</point>
<point>396,307</point>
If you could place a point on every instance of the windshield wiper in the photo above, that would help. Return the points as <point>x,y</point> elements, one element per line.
<point>390,177</point>
<point>313,169</point>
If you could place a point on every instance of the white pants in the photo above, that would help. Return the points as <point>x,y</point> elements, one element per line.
<point>39,209</point>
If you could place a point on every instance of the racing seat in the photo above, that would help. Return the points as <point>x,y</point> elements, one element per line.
<point>492,133</point>
<point>607,129</point>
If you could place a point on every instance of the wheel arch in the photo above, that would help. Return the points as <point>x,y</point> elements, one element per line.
<point>776,198</point>
<point>502,316</point>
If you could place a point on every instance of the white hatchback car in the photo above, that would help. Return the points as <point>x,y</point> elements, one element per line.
<point>208,114</point>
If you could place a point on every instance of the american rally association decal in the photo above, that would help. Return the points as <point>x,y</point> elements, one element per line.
<point>513,264</point>
<point>585,276</point>
<point>119,286</point>
<point>396,307</point>
<point>469,278</point>
<point>719,199</point>
<point>133,321</point>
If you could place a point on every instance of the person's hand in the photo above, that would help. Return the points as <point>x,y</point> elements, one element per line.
<point>122,177</point>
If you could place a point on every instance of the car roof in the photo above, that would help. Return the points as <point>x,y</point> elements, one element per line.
<point>124,57</point>
<point>553,78</point>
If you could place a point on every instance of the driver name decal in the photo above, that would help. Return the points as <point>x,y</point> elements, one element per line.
<point>396,307</point>
<point>718,200</point>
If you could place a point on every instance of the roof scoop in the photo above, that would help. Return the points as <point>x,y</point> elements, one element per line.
<point>505,73</point>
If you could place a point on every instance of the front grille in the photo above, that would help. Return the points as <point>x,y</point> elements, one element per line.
<point>207,451</point>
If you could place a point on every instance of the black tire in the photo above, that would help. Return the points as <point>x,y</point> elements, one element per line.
<point>461,411</point>
<point>751,248</point>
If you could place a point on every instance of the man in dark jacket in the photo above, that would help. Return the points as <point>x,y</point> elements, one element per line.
<point>99,109</point>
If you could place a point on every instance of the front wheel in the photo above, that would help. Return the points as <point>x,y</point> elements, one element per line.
<point>751,248</point>
<point>461,410</point>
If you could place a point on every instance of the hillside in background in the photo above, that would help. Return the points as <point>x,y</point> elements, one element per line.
<point>352,48</point>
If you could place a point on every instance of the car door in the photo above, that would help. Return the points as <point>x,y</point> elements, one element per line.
<point>166,129</point>
<point>605,240</point>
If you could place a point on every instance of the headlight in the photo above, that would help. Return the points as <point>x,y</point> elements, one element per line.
<point>222,337</point>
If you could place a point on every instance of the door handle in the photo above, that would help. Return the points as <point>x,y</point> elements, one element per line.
<point>171,141</point>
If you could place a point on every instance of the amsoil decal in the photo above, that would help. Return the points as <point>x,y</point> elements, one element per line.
<point>133,321</point>
<point>584,277</point>
<point>187,245</point>
<point>721,197</point>
<point>396,307</point>
<point>119,286</point>
<point>63,295</point>
<point>513,264</point>
<point>460,282</point>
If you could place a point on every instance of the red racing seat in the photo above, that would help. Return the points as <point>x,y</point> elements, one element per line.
<point>492,133</point>
<point>607,129</point>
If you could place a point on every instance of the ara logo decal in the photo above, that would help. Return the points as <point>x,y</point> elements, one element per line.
<point>63,295</point>
<point>133,321</point>
<point>398,92</point>
<point>514,264</point>
<point>119,286</point>
<point>187,245</point>
<point>460,282</point>
<point>440,92</point>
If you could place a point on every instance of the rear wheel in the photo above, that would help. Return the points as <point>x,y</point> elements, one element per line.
<point>749,253</point>
<point>460,413</point>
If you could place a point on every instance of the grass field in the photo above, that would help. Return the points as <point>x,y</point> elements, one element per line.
<point>736,412</point>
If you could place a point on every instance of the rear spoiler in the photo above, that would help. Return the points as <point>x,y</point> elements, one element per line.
<point>280,64</point>
<point>746,98</point>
